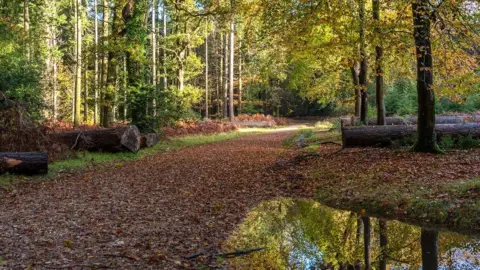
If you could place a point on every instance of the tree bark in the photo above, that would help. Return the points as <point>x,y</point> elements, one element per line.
<point>95,83</point>
<point>149,140</point>
<point>107,140</point>
<point>232,55</point>
<point>55,65</point>
<point>26,28</point>
<point>28,163</point>
<point>206,70</point>
<point>363,66</point>
<point>78,73</point>
<point>379,85</point>
<point>221,56</point>
<point>426,139</point>
<point>165,77</point>
<point>366,241</point>
<point>383,244</point>
<point>225,80</point>
<point>103,75</point>
<point>429,242</point>
<point>385,135</point>
<point>154,57</point>
<point>240,82</point>
<point>356,84</point>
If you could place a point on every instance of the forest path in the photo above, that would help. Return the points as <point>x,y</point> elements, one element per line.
<point>149,213</point>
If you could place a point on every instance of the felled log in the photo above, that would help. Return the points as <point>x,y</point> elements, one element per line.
<point>149,140</point>
<point>28,163</point>
<point>113,140</point>
<point>410,120</point>
<point>363,136</point>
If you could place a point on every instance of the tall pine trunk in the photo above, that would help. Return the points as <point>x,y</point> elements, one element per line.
<point>165,77</point>
<point>379,80</point>
<point>26,28</point>
<point>232,56</point>
<point>221,78</point>
<point>366,241</point>
<point>240,83</point>
<point>54,63</point>
<point>426,137</point>
<point>356,84</point>
<point>206,70</point>
<point>78,73</point>
<point>383,245</point>
<point>95,83</point>
<point>154,57</point>
<point>429,241</point>
<point>225,77</point>
<point>363,66</point>
<point>103,75</point>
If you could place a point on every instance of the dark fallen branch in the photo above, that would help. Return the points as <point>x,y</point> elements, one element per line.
<point>233,254</point>
<point>239,253</point>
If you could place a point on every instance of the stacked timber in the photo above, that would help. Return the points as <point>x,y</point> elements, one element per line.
<point>365,136</point>
<point>28,163</point>
<point>123,139</point>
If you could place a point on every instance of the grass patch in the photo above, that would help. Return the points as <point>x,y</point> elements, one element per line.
<point>85,159</point>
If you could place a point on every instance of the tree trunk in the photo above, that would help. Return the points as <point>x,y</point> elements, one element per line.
<point>154,57</point>
<point>379,80</point>
<point>221,56</point>
<point>363,66</point>
<point>383,244</point>
<point>240,83</point>
<point>429,241</point>
<point>95,83</point>
<point>206,70</point>
<point>107,140</point>
<point>426,139</point>
<point>78,73</point>
<point>85,93</point>
<point>28,163</point>
<point>26,28</point>
<point>165,77</point>
<point>232,55</point>
<point>109,91</point>
<point>55,65</point>
<point>149,140</point>
<point>395,121</point>
<point>225,80</point>
<point>103,75</point>
<point>385,135</point>
<point>366,241</point>
<point>356,84</point>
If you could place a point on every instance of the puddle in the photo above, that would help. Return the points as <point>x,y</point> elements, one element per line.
<point>302,234</point>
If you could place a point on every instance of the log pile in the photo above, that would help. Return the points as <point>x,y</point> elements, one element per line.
<point>149,140</point>
<point>399,121</point>
<point>113,140</point>
<point>365,136</point>
<point>28,163</point>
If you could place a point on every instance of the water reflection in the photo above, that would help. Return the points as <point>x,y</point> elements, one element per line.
<point>307,235</point>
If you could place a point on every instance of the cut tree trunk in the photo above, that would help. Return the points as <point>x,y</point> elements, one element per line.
<point>108,140</point>
<point>365,136</point>
<point>149,140</point>
<point>397,121</point>
<point>28,163</point>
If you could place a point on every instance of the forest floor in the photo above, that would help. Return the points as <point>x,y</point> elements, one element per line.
<point>153,212</point>
<point>145,213</point>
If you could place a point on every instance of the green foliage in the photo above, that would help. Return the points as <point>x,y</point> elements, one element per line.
<point>461,142</point>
